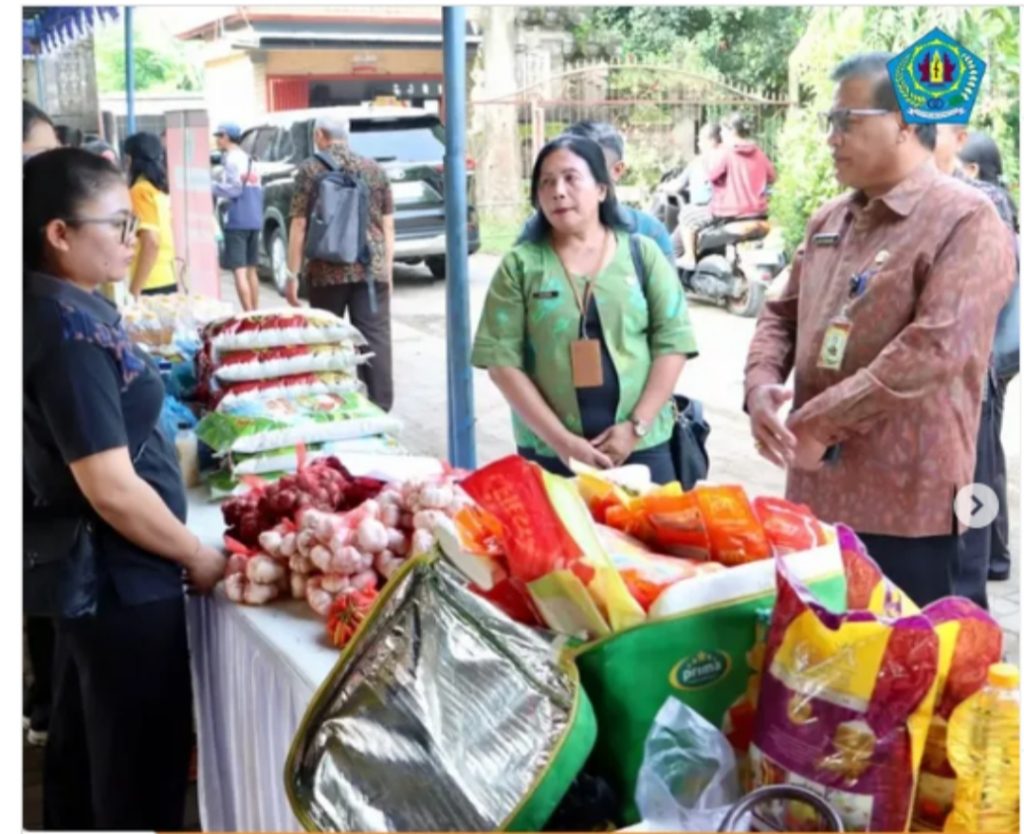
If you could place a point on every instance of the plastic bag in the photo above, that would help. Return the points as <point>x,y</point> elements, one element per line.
<point>276,424</point>
<point>329,382</point>
<point>298,326</point>
<point>970,642</point>
<point>271,363</point>
<point>844,708</point>
<point>688,780</point>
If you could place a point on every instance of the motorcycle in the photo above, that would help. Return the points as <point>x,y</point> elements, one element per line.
<point>734,266</point>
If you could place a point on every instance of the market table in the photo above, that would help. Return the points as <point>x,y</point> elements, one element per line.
<point>254,672</point>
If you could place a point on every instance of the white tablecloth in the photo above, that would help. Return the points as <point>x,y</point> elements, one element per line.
<point>254,672</point>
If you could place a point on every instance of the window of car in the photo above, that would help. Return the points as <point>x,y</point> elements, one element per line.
<point>399,140</point>
<point>293,143</point>
<point>248,140</point>
<point>265,139</point>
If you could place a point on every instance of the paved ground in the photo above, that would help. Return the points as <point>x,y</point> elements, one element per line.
<point>716,378</point>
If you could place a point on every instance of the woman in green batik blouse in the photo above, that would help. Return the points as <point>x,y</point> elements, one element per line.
<point>586,351</point>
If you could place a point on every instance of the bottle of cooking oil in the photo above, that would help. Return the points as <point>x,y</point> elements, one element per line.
<point>983,743</point>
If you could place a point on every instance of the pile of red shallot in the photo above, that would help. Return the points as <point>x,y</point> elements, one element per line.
<point>322,555</point>
<point>322,485</point>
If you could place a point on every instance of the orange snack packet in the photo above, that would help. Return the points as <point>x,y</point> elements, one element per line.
<point>736,534</point>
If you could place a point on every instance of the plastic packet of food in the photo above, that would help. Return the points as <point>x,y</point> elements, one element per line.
<point>646,573</point>
<point>676,525</point>
<point>867,587</point>
<point>844,707</point>
<point>790,528</point>
<point>736,534</point>
<point>970,642</point>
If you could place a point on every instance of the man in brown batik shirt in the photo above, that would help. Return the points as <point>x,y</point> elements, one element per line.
<point>343,288</point>
<point>887,323</point>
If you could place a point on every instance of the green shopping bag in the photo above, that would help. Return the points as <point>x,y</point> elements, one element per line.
<point>697,653</point>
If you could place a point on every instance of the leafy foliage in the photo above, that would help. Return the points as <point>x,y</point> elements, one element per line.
<point>162,63</point>
<point>746,45</point>
<point>806,180</point>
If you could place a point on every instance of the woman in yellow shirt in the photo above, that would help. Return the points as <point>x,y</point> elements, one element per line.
<point>153,268</point>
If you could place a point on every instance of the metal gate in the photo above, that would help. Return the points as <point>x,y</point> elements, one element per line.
<point>658,109</point>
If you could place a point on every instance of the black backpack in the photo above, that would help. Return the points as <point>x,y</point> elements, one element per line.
<point>338,222</point>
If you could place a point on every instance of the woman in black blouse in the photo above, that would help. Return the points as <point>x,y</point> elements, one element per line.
<point>117,756</point>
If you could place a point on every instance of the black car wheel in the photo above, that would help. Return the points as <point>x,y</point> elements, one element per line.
<point>436,265</point>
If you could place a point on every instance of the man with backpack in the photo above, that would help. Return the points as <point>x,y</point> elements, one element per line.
<point>239,186</point>
<point>342,222</point>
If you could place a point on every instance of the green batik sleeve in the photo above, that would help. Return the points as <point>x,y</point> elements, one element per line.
<point>501,334</point>
<point>669,330</point>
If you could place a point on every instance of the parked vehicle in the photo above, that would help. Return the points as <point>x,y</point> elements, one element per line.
<point>735,266</point>
<point>409,145</point>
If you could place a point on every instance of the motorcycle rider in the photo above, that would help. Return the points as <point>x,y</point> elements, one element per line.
<point>696,213</point>
<point>739,174</point>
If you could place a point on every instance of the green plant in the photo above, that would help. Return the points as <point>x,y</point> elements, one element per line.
<point>806,179</point>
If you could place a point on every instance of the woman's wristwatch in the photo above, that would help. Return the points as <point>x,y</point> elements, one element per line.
<point>640,427</point>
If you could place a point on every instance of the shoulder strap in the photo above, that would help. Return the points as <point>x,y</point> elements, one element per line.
<point>327,160</point>
<point>638,261</point>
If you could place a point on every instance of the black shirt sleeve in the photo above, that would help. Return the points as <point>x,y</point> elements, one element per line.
<point>79,392</point>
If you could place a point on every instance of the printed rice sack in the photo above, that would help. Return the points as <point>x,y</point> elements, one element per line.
<point>284,422</point>
<point>298,326</point>
<point>844,707</point>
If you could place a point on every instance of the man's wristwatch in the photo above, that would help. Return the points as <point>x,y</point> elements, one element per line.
<point>640,427</point>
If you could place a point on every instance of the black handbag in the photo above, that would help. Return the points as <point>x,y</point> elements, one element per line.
<point>690,431</point>
<point>688,443</point>
<point>60,576</point>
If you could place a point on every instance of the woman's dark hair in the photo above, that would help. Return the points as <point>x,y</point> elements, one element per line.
<point>30,114</point>
<point>591,153</point>
<point>983,152</point>
<point>148,159</point>
<point>713,131</point>
<point>55,184</point>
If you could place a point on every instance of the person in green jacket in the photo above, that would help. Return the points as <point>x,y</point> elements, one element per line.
<point>586,351</point>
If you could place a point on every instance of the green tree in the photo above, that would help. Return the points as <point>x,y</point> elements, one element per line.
<point>162,63</point>
<point>746,45</point>
<point>806,179</point>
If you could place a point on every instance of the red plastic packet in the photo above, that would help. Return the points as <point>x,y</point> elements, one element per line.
<point>790,527</point>
<point>533,537</point>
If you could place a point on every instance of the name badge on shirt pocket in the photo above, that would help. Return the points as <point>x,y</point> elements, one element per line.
<point>545,294</point>
<point>827,239</point>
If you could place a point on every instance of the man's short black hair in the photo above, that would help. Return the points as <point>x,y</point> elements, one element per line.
<point>30,114</point>
<point>738,124</point>
<point>604,134</point>
<point>875,67</point>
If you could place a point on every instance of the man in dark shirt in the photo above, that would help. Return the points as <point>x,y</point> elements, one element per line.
<point>984,551</point>
<point>341,287</point>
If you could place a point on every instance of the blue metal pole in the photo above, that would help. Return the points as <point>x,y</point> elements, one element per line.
<point>129,69</point>
<point>40,80</point>
<point>461,439</point>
